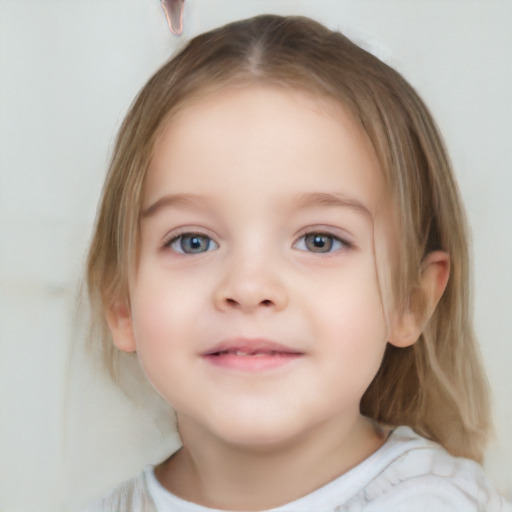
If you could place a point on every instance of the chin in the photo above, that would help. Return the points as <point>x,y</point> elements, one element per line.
<point>258,433</point>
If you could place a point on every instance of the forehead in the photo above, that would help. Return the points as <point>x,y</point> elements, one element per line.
<point>266,141</point>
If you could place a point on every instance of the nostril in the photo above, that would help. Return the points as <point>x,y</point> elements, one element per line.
<point>235,304</point>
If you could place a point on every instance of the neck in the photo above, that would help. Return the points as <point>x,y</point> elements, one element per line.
<point>217,474</point>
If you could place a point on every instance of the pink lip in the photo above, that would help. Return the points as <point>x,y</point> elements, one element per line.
<point>250,354</point>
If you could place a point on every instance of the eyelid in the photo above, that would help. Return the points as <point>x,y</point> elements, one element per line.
<point>340,235</point>
<point>187,230</point>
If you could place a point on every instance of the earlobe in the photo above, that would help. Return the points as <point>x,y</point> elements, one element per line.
<point>119,320</point>
<point>404,331</point>
<point>406,328</point>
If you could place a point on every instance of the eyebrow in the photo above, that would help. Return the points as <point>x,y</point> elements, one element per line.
<point>311,200</point>
<point>301,201</point>
<point>190,200</point>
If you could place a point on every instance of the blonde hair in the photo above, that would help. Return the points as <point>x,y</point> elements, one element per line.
<point>437,386</point>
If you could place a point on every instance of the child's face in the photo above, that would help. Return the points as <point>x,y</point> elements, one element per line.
<point>256,310</point>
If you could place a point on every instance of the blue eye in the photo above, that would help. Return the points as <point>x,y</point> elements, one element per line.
<point>192,243</point>
<point>320,243</point>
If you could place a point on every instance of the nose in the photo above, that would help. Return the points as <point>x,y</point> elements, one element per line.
<point>250,286</point>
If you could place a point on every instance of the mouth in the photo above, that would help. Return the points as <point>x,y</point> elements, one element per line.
<point>251,355</point>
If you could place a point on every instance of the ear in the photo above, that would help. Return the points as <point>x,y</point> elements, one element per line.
<point>119,320</point>
<point>406,327</point>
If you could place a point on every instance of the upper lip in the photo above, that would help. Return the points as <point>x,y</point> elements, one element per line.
<point>250,346</point>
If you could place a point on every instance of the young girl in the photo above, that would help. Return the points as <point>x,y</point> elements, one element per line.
<point>282,245</point>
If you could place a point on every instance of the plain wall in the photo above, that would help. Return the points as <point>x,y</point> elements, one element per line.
<point>68,72</point>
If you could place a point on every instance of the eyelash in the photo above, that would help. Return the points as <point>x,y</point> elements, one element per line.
<point>178,238</point>
<point>334,243</point>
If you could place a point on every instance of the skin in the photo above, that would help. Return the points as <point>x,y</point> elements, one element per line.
<point>255,174</point>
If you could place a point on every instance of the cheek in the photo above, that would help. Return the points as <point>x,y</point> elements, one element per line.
<point>351,318</point>
<point>353,301</point>
<point>158,332</point>
<point>155,314</point>
<point>167,315</point>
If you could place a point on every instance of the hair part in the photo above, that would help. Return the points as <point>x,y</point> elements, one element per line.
<point>437,386</point>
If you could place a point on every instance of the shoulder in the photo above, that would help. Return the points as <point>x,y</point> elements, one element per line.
<point>414,474</point>
<point>131,495</point>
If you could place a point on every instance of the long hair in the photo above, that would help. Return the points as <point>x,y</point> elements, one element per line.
<point>437,386</point>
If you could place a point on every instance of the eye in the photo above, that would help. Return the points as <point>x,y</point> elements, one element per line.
<point>320,243</point>
<point>192,243</point>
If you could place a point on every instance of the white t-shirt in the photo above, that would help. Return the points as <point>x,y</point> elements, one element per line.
<point>407,474</point>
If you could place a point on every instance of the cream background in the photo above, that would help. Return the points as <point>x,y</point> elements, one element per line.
<point>68,71</point>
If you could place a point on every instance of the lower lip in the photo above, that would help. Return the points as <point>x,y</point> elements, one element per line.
<point>252,363</point>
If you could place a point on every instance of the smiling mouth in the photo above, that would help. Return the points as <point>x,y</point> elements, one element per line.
<point>256,355</point>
